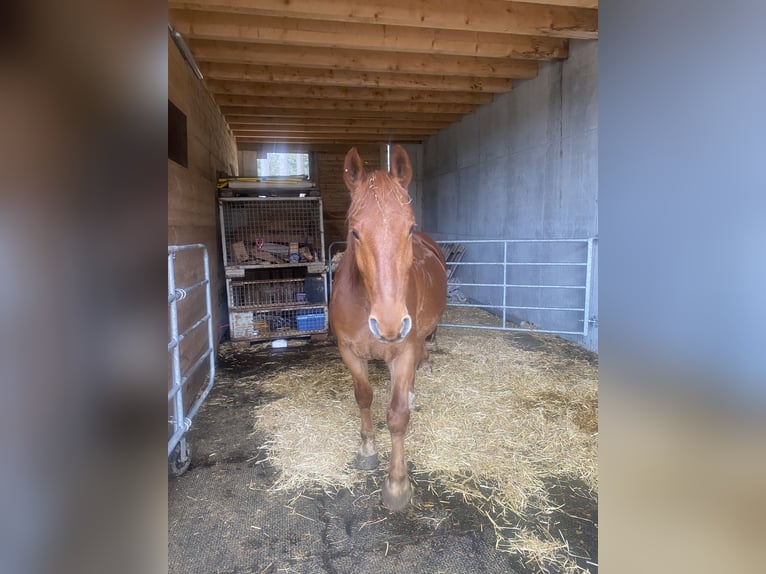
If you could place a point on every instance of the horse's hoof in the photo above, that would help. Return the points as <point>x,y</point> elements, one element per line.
<point>396,497</point>
<point>367,462</point>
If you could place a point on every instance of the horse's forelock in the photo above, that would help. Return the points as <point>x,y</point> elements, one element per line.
<point>379,188</point>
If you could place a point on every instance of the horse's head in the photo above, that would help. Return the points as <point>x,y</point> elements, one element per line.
<point>381,224</point>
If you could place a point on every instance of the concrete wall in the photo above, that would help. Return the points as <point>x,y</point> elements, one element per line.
<point>192,204</point>
<point>523,167</point>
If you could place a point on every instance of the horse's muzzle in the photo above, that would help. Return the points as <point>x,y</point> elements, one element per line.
<point>404,330</point>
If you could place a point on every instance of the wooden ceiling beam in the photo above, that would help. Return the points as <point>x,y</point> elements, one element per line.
<point>360,60</point>
<point>342,105</point>
<point>570,3</point>
<point>341,93</point>
<point>243,122</point>
<point>352,35</point>
<point>498,16</point>
<point>348,78</point>
<point>286,112</point>
<point>339,148</point>
<point>278,137</point>
<point>332,130</point>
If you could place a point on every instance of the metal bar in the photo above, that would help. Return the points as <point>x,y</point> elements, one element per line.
<point>474,263</point>
<point>505,282</point>
<point>545,308</point>
<point>551,286</point>
<point>208,301</point>
<point>179,41</point>
<point>490,328</point>
<point>512,285</point>
<point>223,232</point>
<point>175,341</point>
<point>481,306</point>
<point>525,263</point>
<point>321,226</point>
<point>178,405</point>
<point>250,199</point>
<point>189,247</point>
<point>456,284</point>
<point>186,290</point>
<point>189,372</point>
<point>586,309</point>
<point>512,240</point>
<point>557,264</point>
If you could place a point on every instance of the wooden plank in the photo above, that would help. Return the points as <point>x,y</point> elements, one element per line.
<point>308,130</point>
<point>319,147</point>
<point>477,15</point>
<point>350,78</point>
<point>345,105</point>
<point>342,93</point>
<point>570,3</point>
<point>279,138</point>
<point>354,35</point>
<point>256,111</point>
<point>361,60</point>
<point>243,122</point>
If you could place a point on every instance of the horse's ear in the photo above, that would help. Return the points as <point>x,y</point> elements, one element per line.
<point>400,166</point>
<point>353,169</point>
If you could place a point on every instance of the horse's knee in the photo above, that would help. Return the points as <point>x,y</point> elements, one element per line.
<point>363,395</point>
<point>398,416</point>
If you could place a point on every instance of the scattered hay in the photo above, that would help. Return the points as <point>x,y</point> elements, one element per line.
<point>493,424</point>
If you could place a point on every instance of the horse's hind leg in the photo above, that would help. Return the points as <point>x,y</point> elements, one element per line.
<point>367,457</point>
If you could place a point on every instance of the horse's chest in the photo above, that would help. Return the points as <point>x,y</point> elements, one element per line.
<point>368,348</point>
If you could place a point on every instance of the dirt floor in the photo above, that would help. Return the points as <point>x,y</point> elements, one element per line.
<point>224,518</point>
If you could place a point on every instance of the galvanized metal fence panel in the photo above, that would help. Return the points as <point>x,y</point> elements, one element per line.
<point>540,285</point>
<point>180,421</point>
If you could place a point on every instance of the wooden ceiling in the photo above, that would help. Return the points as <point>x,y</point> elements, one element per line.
<point>355,71</point>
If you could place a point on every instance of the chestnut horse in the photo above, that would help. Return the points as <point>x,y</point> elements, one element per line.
<point>389,292</point>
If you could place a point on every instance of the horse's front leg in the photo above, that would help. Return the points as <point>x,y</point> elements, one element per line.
<point>367,457</point>
<point>397,490</point>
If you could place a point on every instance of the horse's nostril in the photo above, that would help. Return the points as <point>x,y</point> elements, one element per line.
<point>406,325</point>
<point>373,322</point>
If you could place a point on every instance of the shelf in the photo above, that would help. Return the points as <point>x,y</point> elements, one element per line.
<point>238,270</point>
<point>277,307</point>
<point>266,299</point>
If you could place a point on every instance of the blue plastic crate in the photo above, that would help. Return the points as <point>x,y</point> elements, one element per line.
<point>311,322</point>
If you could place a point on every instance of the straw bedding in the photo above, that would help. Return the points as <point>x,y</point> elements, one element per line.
<point>494,423</point>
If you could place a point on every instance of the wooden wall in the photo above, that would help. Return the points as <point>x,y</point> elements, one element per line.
<point>192,205</point>
<point>335,196</point>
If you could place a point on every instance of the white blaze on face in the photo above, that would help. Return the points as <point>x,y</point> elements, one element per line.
<point>411,398</point>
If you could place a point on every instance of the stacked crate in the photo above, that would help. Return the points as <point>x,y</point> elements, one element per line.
<point>273,252</point>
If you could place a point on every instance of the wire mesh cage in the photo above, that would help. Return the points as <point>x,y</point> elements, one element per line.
<point>272,231</point>
<point>273,323</point>
<point>278,292</point>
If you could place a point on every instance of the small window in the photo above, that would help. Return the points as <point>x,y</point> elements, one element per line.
<point>283,164</point>
<point>177,146</point>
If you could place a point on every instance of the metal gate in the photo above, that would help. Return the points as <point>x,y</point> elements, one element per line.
<point>180,421</point>
<point>543,285</point>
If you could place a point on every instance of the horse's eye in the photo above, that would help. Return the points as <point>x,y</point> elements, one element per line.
<point>412,229</point>
<point>355,233</point>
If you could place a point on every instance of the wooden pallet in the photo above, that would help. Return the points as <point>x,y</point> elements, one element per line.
<point>453,253</point>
